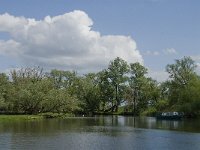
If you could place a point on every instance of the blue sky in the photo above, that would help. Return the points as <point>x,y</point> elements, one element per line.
<point>163,30</point>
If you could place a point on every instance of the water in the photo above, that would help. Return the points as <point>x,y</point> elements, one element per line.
<point>100,133</point>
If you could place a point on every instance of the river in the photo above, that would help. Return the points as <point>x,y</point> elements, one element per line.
<point>100,133</point>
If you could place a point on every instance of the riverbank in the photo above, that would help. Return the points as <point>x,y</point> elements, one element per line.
<point>16,117</point>
<point>20,117</point>
<point>115,113</point>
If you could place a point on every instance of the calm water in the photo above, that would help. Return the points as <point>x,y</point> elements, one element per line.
<point>100,133</point>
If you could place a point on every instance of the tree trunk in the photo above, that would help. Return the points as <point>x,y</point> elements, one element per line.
<point>116,92</point>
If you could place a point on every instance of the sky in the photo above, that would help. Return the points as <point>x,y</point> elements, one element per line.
<point>85,35</point>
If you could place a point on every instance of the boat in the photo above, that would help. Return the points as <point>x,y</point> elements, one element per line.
<point>170,115</point>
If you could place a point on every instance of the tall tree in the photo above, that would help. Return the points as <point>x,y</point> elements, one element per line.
<point>117,70</point>
<point>189,98</point>
<point>107,91</point>
<point>4,87</point>
<point>182,71</point>
<point>90,93</point>
<point>137,77</point>
<point>183,79</point>
<point>144,90</point>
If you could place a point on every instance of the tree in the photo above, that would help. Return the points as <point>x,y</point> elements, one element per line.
<point>137,80</point>
<point>63,79</point>
<point>107,91</point>
<point>25,94</point>
<point>183,85</point>
<point>182,71</point>
<point>117,70</point>
<point>4,87</point>
<point>27,75</point>
<point>163,101</point>
<point>190,98</point>
<point>90,93</point>
<point>145,90</point>
<point>59,100</point>
<point>137,70</point>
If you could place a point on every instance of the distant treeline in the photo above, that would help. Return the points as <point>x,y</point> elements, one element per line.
<point>121,88</point>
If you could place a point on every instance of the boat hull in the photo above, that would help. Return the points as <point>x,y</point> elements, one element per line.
<point>170,116</point>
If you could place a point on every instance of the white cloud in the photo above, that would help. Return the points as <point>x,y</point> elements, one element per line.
<point>160,75</point>
<point>169,51</point>
<point>198,68</point>
<point>197,61</point>
<point>152,53</point>
<point>9,70</point>
<point>66,41</point>
<point>196,58</point>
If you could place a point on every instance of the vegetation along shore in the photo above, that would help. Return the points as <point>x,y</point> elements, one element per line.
<point>122,88</point>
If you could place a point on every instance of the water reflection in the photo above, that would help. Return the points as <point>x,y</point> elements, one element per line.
<point>84,124</point>
<point>100,132</point>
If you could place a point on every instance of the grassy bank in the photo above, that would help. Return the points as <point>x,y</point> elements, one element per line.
<point>34,117</point>
<point>20,117</point>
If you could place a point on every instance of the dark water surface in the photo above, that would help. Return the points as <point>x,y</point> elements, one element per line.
<point>100,133</point>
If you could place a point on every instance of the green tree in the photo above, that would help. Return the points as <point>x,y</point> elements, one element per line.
<point>88,93</point>
<point>184,81</point>
<point>59,100</point>
<point>182,71</point>
<point>189,98</point>
<point>107,91</point>
<point>145,91</point>
<point>117,71</point>
<point>163,101</point>
<point>137,80</point>
<point>4,87</point>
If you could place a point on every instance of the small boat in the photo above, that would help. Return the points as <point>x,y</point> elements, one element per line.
<point>170,115</point>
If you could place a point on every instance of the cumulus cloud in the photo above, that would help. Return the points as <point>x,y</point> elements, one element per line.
<point>66,41</point>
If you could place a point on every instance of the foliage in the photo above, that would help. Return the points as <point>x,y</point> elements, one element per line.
<point>145,91</point>
<point>183,87</point>
<point>121,88</point>
<point>117,70</point>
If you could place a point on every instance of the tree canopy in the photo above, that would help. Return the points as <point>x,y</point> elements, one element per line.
<point>120,88</point>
